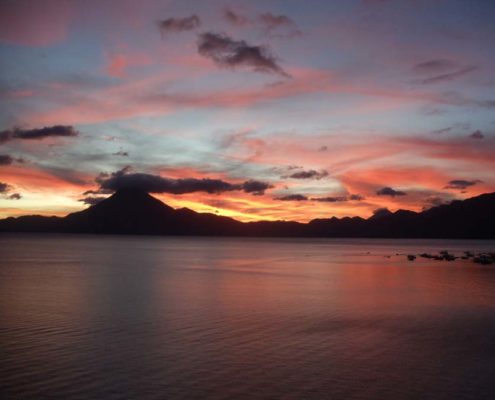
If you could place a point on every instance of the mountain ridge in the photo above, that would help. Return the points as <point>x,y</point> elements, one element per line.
<point>132,211</point>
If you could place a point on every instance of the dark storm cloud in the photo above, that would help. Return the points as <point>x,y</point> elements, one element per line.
<point>292,197</point>
<point>170,25</point>
<point>477,135</point>
<point>14,196</point>
<point>388,191</point>
<point>309,174</point>
<point>441,70</point>
<point>461,184</point>
<point>234,17</point>
<point>37,134</point>
<point>157,184</point>
<point>227,52</point>
<point>279,25</point>
<point>92,200</point>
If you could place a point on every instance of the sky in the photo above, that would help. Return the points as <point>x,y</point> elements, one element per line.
<point>269,110</point>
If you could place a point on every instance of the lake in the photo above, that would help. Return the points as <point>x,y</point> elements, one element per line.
<point>123,317</point>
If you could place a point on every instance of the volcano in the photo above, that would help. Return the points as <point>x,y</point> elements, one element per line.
<point>133,211</point>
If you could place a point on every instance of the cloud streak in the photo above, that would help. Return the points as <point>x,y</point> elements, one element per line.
<point>38,133</point>
<point>441,70</point>
<point>328,199</point>
<point>461,184</point>
<point>338,199</point>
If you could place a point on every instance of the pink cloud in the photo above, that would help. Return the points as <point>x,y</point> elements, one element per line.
<point>153,95</point>
<point>119,62</point>
<point>34,23</point>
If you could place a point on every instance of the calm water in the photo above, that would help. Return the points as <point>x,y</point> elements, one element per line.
<point>106,317</point>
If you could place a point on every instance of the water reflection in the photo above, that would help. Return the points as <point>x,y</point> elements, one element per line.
<point>130,317</point>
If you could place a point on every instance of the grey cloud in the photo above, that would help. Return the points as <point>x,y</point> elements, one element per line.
<point>5,159</point>
<point>441,70</point>
<point>457,99</point>
<point>279,25</point>
<point>485,103</point>
<point>38,133</point>
<point>388,191</point>
<point>477,135</point>
<point>461,184</point>
<point>234,17</point>
<point>338,199</point>
<point>330,199</point>
<point>158,184</point>
<point>435,66</point>
<point>309,174</point>
<point>4,187</point>
<point>5,190</point>
<point>92,200</point>
<point>449,76</point>
<point>292,197</point>
<point>227,52</point>
<point>441,131</point>
<point>255,187</point>
<point>171,25</point>
<point>435,201</point>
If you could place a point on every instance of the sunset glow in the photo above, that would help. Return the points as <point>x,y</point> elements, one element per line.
<point>253,110</point>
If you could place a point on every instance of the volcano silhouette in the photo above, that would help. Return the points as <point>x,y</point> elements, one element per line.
<point>133,211</point>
